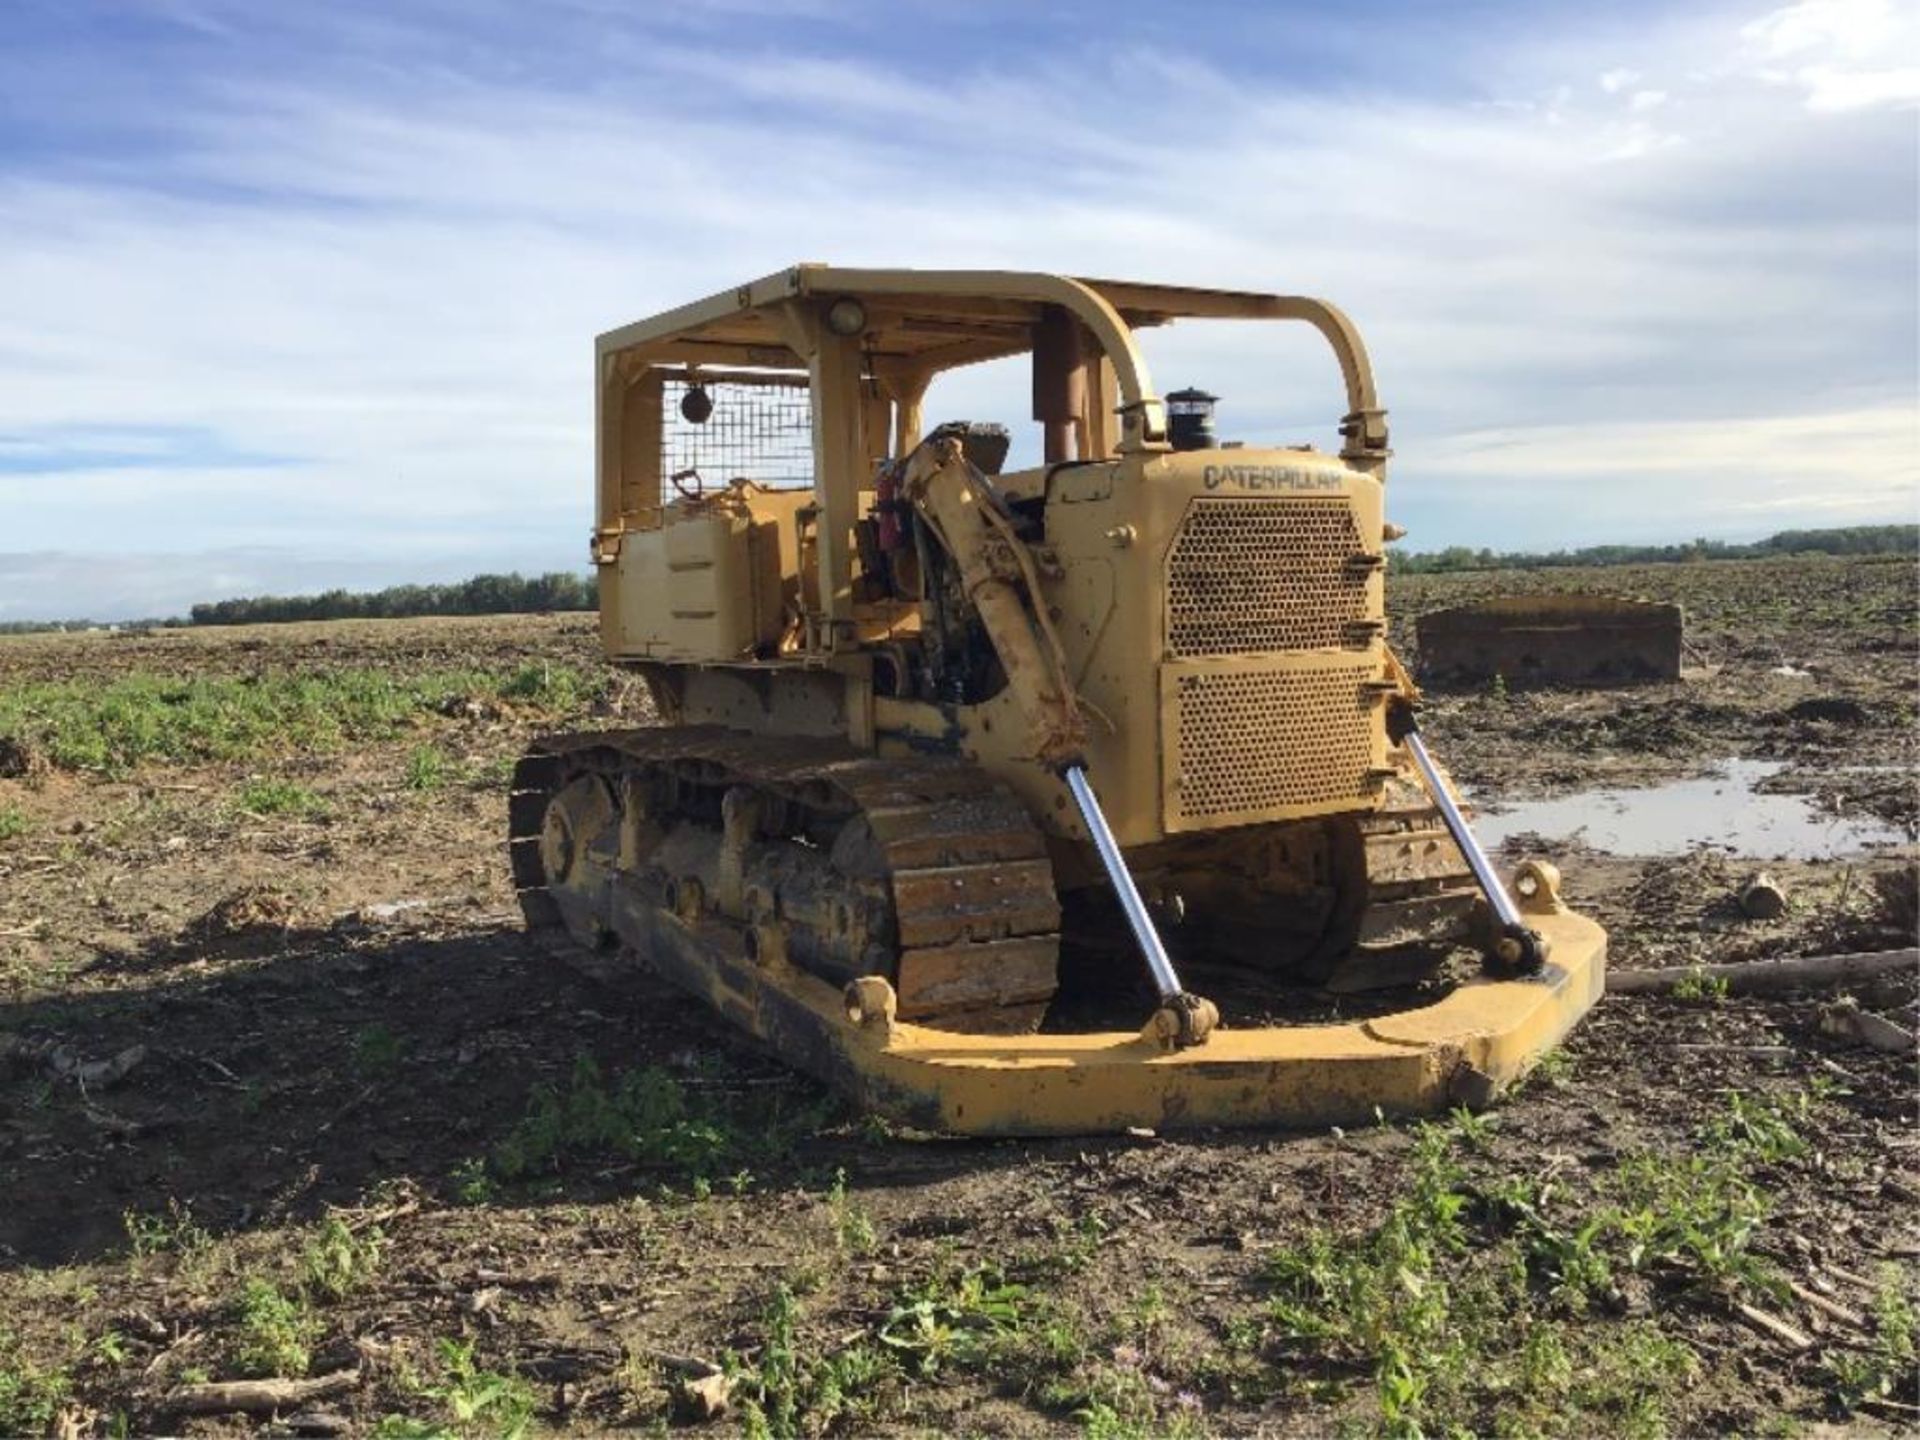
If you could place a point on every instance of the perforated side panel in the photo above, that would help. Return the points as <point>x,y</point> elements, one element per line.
<point>1268,744</point>
<point>1245,576</point>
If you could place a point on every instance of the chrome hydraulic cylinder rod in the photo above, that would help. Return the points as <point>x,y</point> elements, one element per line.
<point>1504,910</point>
<point>1165,979</point>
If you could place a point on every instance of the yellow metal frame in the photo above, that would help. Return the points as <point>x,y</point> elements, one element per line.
<point>1466,1049</point>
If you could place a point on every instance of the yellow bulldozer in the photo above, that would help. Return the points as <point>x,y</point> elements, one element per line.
<point>1015,801</point>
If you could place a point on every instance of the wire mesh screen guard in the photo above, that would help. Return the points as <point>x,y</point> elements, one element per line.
<point>760,428</point>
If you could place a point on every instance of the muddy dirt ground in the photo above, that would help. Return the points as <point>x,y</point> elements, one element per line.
<point>286,1092</point>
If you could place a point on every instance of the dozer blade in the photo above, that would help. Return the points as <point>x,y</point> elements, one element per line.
<point>1464,1050</point>
<point>1524,640</point>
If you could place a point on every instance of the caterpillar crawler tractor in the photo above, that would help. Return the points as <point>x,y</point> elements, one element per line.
<point>974,783</point>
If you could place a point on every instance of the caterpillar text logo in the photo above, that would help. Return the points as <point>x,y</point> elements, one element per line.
<point>1267,477</point>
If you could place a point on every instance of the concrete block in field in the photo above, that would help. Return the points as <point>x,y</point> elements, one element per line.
<point>1594,640</point>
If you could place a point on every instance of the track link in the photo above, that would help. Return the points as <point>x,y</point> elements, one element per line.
<point>924,870</point>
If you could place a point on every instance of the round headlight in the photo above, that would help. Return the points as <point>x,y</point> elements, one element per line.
<point>847,317</point>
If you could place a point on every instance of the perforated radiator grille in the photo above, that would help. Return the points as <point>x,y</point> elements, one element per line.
<point>1263,744</point>
<point>1251,575</point>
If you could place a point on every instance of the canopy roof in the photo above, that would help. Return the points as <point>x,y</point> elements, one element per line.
<point>915,323</point>
<point>927,318</point>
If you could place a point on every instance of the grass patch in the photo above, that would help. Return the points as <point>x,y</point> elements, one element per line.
<point>279,797</point>
<point>980,1320</point>
<point>793,1388</point>
<point>427,768</point>
<point>552,687</point>
<point>1887,1364</point>
<point>31,1394</point>
<point>274,1332</point>
<point>1485,1305</point>
<point>478,1402</point>
<point>13,822</point>
<point>173,1231</point>
<point>648,1117</point>
<point>337,1261</point>
<point>136,719</point>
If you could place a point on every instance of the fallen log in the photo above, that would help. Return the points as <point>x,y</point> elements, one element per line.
<point>1761,898</point>
<point>227,1397</point>
<point>1788,1335</point>
<point>1832,1309</point>
<point>1761,977</point>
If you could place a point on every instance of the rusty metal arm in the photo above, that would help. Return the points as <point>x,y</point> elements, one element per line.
<point>944,489</point>
<point>949,494</point>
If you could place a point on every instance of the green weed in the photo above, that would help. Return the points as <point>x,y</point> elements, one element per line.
<point>852,1226</point>
<point>275,1332</point>
<point>472,1183</point>
<point>1452,1303</point>
<point>174,719</point>
<point>1626,1379</point>
<point>777,1376</point>
<point>1760,1127</point>
<point>31,1394</point>
<point>13,822</point>
<point>790,1391</point>
<point>1855,1377</point>
<point>410,1427</point>
<point>554,687</point>
<point>482,1401</point>
<point>496,772</point>
<point>648,1117</point>
<point>952,1319</point>
<point>336,1261</point>
<point>111,1347</point>
<point>1119,1396</point>
<point>1700,987</point>
<point>1551,1071</point>
<point>279,797</point>
<point>426,768</point>
<point>173,1232</point>
<point>1694,1214</point>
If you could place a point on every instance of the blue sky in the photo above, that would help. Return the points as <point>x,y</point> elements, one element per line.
<point>297,295</point>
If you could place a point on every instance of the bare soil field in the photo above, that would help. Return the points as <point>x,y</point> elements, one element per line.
<point>287,1095</point>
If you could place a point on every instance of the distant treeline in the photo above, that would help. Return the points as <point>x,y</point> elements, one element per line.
<point>1853,540</point>
<point>43,627</point>
<point>514,594</point>
<point>482,595</point>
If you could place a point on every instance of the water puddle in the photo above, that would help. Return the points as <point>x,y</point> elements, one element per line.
<point>1720,809</point>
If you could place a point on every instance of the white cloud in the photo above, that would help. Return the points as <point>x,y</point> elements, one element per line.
<point>1852,29</point>
<point>392,278</point>
<point>1872,451</point>
<point>1832,88</point>
<point>1836,52</point>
